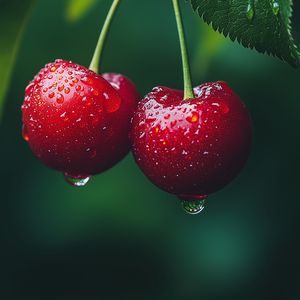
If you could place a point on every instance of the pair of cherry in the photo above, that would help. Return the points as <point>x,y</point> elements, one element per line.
<point>82,123</point>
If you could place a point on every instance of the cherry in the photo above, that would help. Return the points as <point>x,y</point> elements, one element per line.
<point>125,87</point>
<point>191,147</point>
<point>77,122</point>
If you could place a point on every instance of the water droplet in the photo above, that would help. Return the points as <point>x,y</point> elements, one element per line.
<point>250,10</point>
<point>85,79</point>
<point>61,87</point>
<point>150,119</point>
<point>173,123</point>
<point>51,95</point>
<point>77,181</point>
<point>29,88</point>
<point>25,133</point>
<point>67,90</point>
<point>112,104</point>
<point>192,205</point>
<point>60,98</point>
<point>37,78</point>
<point>194,118</point>
<point>275,7</point>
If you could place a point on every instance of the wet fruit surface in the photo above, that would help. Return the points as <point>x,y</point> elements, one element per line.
<point>125,88</point>
<point>193,147</point>
<point>75,121</point>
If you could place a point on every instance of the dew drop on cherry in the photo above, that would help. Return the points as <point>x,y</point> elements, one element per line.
<point>60,99</point>
<point>51,95</point>
<point>194,118</point>
<point>77,181</point>
<point>112,105</point>
<point>60,87</point>
<point>193,205</point>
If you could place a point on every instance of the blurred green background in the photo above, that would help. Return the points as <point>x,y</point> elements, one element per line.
<point>120,237</point>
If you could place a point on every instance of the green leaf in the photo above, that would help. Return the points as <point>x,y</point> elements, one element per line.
<point>261,24</point>
<point>13,15</point>
<point>76,9</point>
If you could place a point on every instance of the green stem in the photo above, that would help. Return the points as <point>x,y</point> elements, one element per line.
<point>96,60</point>
<point>188,87</point>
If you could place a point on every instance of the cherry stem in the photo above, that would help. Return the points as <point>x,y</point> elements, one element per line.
<point>188,87</point>
<point>96,60</point>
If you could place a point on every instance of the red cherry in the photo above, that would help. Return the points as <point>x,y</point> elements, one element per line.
<point>77,122</point>
<point>125,88</point>
<point>192,147</point>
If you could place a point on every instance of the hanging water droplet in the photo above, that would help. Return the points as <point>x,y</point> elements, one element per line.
<point>250,10</point>
<point>192,205</point>
<point>77,181</point>
<point>275,7</point>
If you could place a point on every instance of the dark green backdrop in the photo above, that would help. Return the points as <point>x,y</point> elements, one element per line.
<point>122,238</point>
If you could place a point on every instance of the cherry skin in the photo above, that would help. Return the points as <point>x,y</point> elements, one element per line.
<point>125,88</point>
<point>77,122</point>
<point>193,147</point>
